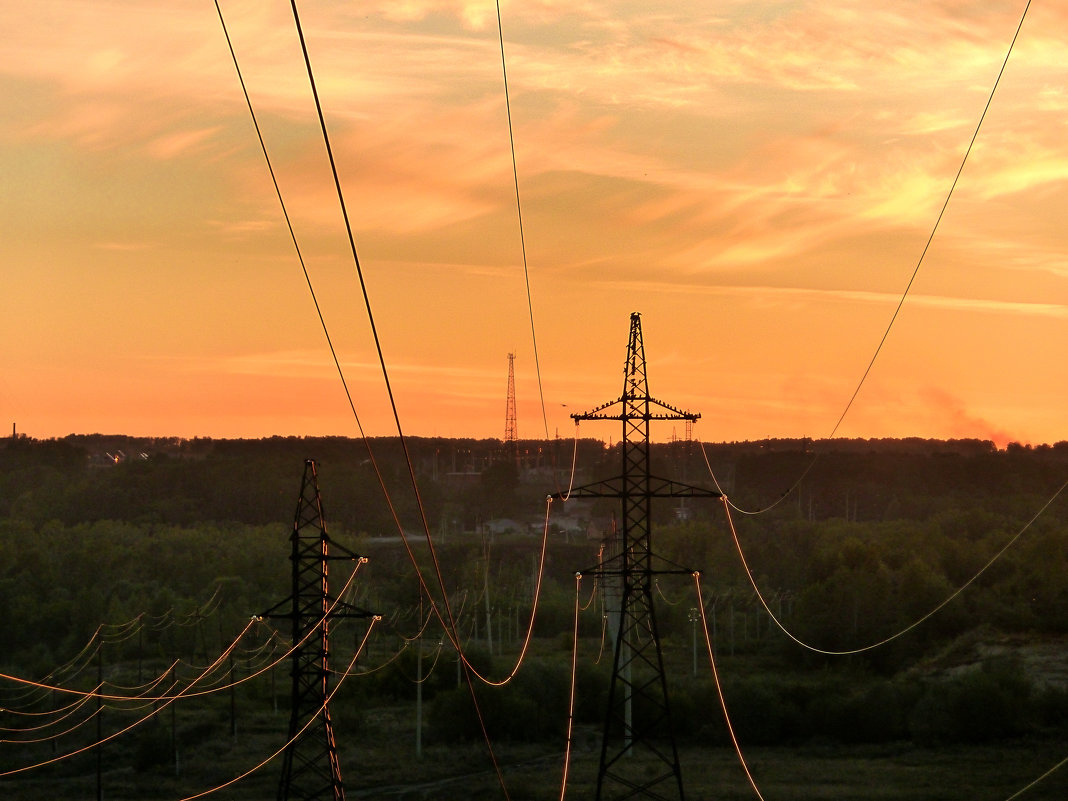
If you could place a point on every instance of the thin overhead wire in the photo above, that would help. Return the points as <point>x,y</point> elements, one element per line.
<point>61,710</point>
<point>912,277</point>
<point>93,713</point>
<point>300,732</point>
<point>382,666</point>
<point>604,631</point>
<point>204,673</point>
<point>574,461</point>
<point>32,694</point>
<point>289,223</point>
<point>533,612</point>
<point>934,228</point>
<point>951,597</point>
<point>307,277</point>
<point>719,690</point>
<point>519,213</point>
<point>660,592</point>
<point>436,653</point>
<point>450,624</point>
<point>571,692</point>
<point>62,713</point>
<point>124,730</point>
<point>450,631</point>
<point>1039,780</point>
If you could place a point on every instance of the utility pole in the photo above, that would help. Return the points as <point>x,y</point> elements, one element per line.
<point>310,767</point>
<point>694,617</point>
<point>638,707</point>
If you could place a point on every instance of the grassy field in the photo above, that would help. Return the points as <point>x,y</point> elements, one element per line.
<point>384,766</point>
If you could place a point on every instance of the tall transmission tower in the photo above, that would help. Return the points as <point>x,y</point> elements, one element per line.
<point>310,768</point>
<point>638,718</point>
<point>511,434</point>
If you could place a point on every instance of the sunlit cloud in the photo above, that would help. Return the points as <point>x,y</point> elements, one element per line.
<point>183,143</point>
<point>123,247</point>
<point>802,295</point>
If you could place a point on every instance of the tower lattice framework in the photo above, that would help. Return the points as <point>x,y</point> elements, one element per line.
<point>310,767</point>
<point>511,431</point>
<point>638,718</point>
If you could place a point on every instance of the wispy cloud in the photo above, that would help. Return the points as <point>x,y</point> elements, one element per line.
<point>802,295</point>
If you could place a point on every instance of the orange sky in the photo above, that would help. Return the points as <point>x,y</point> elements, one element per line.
<point>757,178</point>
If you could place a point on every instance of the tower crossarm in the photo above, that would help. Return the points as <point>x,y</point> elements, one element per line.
<point>670,412</point>
<point>658,488</point>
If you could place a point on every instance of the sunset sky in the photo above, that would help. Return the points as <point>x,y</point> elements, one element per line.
<point>757,178</point>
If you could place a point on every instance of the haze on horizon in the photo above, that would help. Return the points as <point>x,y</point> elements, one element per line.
<point>758,179</point>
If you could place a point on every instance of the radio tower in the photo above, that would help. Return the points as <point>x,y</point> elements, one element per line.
<point>511,434</point>
<point>638,719</point>
<point>310,769</point>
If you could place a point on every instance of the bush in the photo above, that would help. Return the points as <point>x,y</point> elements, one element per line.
<point>984,705</point>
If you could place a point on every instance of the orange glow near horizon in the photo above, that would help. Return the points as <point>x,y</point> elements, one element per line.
<point>757,180</point>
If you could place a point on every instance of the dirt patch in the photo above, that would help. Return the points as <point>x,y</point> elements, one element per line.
<point>1043,660</point>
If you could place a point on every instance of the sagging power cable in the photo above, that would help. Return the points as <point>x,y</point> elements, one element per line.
<point>326,701</point>
<point>912,277</point>
<point>767,607</point>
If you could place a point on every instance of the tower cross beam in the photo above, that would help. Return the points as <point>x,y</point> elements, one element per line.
<point>673,412</point>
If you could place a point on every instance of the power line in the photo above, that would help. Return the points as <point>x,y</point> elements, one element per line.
<point>1039,780</point>
<point>322,320</point>
<point>376,338</point>
<point>915,271</point>
<point>135,724</point>
<point>571,692</point>
<point>289,223</point>
<point>519,214</point>
<point>934,228</point>
<point>203,672</point>
<point>906,629</point>
<point>719,690</point>
<point>300,732</point>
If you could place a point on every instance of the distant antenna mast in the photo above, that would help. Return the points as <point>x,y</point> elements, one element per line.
<point>511,434</point>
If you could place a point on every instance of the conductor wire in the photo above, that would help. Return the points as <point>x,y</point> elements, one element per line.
<point>915,271</point>
<point>519,212</point>
<point>719,689</point>
<point>98,743</point>
<point>934,229</point>
<point>911,626</point>
<point>303,728</point>
<point>289,224</point>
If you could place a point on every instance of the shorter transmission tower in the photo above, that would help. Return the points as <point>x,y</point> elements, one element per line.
<point>310,768</point>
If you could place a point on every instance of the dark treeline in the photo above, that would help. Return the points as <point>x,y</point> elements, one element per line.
<point>99,529</point>
<point>182,482</point>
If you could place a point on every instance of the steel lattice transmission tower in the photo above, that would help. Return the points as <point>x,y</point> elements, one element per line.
<point>511,434</point>
<point>310,769</point>
<point>638,719</point>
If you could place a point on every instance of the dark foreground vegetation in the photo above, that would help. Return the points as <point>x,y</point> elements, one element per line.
<point>175,544</point>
